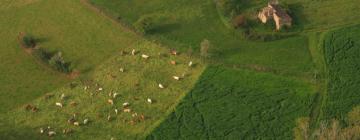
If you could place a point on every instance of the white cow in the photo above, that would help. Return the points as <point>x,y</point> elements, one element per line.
<point>51,133</point>
<point>86,121</point>
<point>59,104</point>
<point>145,56</point>
<point>149,100</point>
<point>176,78</point>
<point>133,52</point>
<point>126,104</point>
<point>115,95</point>
<point>161,86</point>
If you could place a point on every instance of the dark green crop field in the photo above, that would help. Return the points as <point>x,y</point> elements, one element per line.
<point>231,104</point>
<point>342,49</point>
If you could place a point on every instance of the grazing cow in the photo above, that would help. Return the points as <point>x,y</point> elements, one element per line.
<point>86,121</point>
<point>115,95</point>
<point>100,89</point>
<point>73,103</point>
<point>110,101</point>
<point>76,123</point>
<point>149,100</point>
<point>121,69</point>
<point>176,78</point>
<point>190,64</point>
<point>67,131</point>
<point>86,87</point>
<point>41,130</point>
<point>51,133</point>
<point>133,52</point>
<point>31,107</point>
<point>62,97</point>
<point>59,104</point>
<point>161,86</point>
<point>126,104</point>
<point>173,52</point>
<point>145,56</point>
<point>142,117</point>
<point>134,114</point>
<point>127,110</point>
<point>173,62</point>
<point>109,117</point>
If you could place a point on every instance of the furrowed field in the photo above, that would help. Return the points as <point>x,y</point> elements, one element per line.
<point>342,51</point>
<point>231,104</point>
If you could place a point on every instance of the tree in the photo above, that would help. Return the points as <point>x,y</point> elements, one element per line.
<point>28,41</point>
<point>58,62</point>
<point>239,21</point>
<point>205,45</point>
<point>147,22</point>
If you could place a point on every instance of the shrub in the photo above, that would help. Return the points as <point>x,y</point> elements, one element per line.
<point>57,61</point>
<point>28,41</point>
<point>226,6</point>
<point>239,21</point>
<point>204,48</point>
<point>147,22</point>
<point>42,54</point>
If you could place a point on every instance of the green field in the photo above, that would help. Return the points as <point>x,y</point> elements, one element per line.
<point>135,85</point>
<point>232,104</point>
<point>189,22</point>
<point>248,88</point>
<point>342,56</point>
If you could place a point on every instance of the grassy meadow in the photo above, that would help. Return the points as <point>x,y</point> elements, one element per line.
<point>190,22</point>
<point>85,37</point>
<point>138,82</point>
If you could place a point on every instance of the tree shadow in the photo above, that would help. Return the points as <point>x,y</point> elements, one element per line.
<point>296,11</point>
<point>164,28</point>
<point>41,40</point>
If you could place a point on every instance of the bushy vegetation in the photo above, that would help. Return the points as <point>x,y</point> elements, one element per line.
<point>205,47</point>
<point>342,51</point>
<point>147,22</point>
<point>53,59</point>
<point>28,41</point>
<point>331,129</point>
<point>238,104</point>
<point>57,61</point>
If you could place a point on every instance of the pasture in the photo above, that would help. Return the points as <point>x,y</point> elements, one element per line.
<point>135,83</point>
<point>189,22</point>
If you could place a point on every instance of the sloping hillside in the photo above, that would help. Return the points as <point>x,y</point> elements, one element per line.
<point>97,98</point>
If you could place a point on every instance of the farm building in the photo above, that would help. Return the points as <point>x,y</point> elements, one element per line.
<point>274,11</point>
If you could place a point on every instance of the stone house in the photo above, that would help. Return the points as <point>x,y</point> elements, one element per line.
<point>275,12</point>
